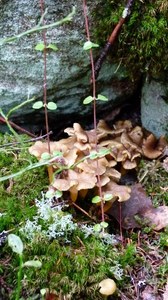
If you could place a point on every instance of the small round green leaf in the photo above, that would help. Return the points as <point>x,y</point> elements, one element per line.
<point>89,45</point>
<point>96,199</point>
<point>104,224</point>
<point>57,153</point>
<point>40,47</point>
<point>53,47</point>
<point>51,106</point>
<point>15,243</point>
<point>88,100</point>
<point>97,228</point>
<point>45,156</point>
<point>102,98</point>
<point>33,263</point>
<point>93,155</point>
<point>107,197</point>
<point>49,194</point>
<point>58,194</point>
<point>38,105</point>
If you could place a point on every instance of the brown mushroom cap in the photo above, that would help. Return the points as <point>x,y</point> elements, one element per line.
<point>103,130</point>
<point>127,125</point>
<point>40,147</point>
<point>152,148</point>
<point>121,192</point>
<point>136,135</point>
<point>94,166</point>
<point>78,132</point>
<point>128,143</point>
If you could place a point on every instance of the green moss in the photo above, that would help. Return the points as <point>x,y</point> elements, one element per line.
<point>143,40</point>
<point>17,195</point>
<point>155,181</point>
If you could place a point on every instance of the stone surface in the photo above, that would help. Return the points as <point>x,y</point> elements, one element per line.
<point>154,107</point>
<point>68,70</point>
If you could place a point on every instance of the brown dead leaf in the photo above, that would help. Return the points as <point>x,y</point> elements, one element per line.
<point>165,164</point>
<point>157,217</point>
<point>135,205</point>
<point>150,294</point>
<point>165,295</point>
<point>52,296</point>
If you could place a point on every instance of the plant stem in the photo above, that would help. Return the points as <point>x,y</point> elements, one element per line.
<point>38,28</point>
<point>19,277</point>
<point>49,168</point>
<point>94,105</point>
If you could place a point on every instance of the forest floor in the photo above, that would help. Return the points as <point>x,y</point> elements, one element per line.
<point>76,255</point>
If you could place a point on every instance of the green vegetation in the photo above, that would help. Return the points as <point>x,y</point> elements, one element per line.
<point>143,38</point>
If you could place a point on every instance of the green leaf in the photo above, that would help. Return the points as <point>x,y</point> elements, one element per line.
<point>40,47</point>
<point>33,263</point>
<point>87,100</point>
<point>57,153</point>
<point>15,243</point>
<point>38,105</point>
<point>104,224</point>
<point>43,292</point>
<point>45,155</point>
<point>97,228</point>
<point>93,155</point>
<point>51,106</point>
<point>102,98</point>
<point>96,199</point>
<point>89,45</point>
<point>107,197</point>
<point>53,47</point>
<point>49,194</point>
<point>58,194</point>
<point>103,152</point>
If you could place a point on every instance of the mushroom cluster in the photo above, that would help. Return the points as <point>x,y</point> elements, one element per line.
<point>78,167</point>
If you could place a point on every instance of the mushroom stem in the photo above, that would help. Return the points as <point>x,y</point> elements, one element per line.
<point>50,173</point>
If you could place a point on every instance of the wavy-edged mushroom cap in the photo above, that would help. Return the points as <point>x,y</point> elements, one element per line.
<point>152,147</point>
<point>129,165</point>
<point>40,147</point>
<point>128,143</point>
<point>127,125</point>
<point>121,192</point>
<point>78,131</point>
<point>103,130</point>
<point>94,166</point>
<point>136,135</point>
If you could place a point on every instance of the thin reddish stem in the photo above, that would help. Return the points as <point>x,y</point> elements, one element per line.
<point>94,103</point>
<point>45,77</point>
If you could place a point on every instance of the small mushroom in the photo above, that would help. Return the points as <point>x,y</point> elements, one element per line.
<point>78,132</point>
<point>103,130</point>
<point>94,166</point>
<point>153,148</point>
<point>121,192</point>
<point>127,125</point>
<point>128,143</point>
<point>75,181</point>
<point>136,135</point>
<point>107,287</point>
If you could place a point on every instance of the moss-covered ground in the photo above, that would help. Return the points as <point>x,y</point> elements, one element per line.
<point>74,263</point>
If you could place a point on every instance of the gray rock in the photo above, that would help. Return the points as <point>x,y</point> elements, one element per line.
<point>154,107</point>
<point>68,70</point>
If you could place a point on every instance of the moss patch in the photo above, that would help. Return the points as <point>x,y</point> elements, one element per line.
<point>143,40</point>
